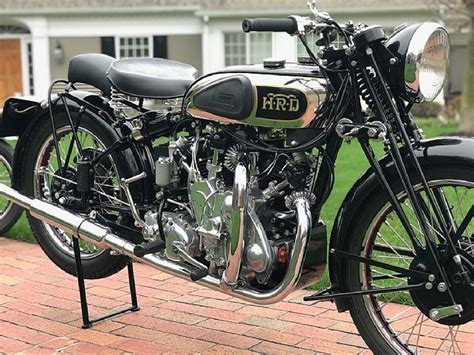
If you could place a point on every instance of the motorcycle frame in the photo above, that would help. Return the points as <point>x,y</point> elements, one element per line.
<point>333,142</point>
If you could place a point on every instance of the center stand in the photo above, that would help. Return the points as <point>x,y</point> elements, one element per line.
<point>86,321</point>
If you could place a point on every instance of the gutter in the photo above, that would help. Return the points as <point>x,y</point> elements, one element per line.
<point>303,11</point>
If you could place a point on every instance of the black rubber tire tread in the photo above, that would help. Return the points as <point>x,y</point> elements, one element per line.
<point>104,264</point>
<point>360,223</point>
<point>9,219</point>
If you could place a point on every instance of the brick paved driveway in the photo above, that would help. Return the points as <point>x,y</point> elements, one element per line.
<point>40,312</point>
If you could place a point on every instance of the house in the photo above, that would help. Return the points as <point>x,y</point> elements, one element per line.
<point>38,37</point>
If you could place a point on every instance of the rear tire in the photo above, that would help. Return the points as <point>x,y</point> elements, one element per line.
<point>99,265</point>
<point>9,212</point>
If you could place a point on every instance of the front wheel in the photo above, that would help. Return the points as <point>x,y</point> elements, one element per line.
<point>399,322</point>
<point>43,179</point>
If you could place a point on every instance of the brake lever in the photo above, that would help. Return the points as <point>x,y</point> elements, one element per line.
<point>321,16</point>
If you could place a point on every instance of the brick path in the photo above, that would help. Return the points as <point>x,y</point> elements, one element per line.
<point>40,312</point>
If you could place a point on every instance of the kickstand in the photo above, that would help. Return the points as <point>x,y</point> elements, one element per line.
<point>86,321</point>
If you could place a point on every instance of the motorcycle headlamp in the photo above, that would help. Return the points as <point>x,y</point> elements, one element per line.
<point>423,52</point>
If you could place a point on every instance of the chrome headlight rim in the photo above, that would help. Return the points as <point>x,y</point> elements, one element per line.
<point>415,50</point>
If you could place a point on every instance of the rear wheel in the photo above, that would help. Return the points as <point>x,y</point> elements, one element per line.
<point>9,212</point>
<point>42,180</point>
<point>399,322</point>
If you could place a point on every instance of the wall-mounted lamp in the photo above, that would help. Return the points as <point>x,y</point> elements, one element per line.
<point>58,53</point>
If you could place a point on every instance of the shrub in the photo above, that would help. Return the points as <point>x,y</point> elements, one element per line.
<point>453,107</point>
<point>427,109</point>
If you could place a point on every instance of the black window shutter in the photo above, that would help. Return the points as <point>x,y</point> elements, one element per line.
<point>160,47</point>
<point>107,45</point>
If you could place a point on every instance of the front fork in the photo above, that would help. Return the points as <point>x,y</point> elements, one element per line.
<point>436,201</point>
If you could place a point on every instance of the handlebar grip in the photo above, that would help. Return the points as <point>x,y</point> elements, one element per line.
<point>287,25</point>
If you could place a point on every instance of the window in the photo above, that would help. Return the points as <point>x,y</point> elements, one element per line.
<point>241,48</point>
<point>133,47</point>
<point>235,49</point>
<point>311,39</point>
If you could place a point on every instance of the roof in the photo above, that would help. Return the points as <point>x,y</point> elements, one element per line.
<point>202,4</point>
<point>452,11</point>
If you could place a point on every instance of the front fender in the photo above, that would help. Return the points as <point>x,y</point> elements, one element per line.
<point>437,151</point>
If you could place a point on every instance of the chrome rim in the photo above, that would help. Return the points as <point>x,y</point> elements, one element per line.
<point>399,321</point>
<point>106,184</point>
<point>5,178</point>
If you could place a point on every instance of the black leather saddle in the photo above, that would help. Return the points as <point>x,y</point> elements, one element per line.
<point>152,78</point>
<point>90,69</point>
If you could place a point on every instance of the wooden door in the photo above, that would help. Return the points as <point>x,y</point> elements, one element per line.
<point>10,69</point>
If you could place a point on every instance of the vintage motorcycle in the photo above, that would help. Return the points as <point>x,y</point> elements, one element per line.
<point>221,179</point>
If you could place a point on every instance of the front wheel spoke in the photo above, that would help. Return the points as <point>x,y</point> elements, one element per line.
<point>387,247</point>
<point>418,335</point>
<point>459,200</point>
<point>397,234</point>
<point>410,331</point>
<point>444,204</point>
<point>384,276</point>
<point>398,317</point>
<point>454,344</point>
<point>418,229</point>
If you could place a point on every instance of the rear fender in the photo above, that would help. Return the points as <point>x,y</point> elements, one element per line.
<point>17,114</point>
<point>439,151</point>
<point>21,115</point>
<point>20,112</point>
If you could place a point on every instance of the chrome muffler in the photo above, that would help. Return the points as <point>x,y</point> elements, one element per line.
<point>100,236</point>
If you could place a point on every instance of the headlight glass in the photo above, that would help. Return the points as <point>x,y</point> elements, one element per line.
<point>426,61</point>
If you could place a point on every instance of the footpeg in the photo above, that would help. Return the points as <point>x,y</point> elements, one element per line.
<point>439,313</point>
<point>198,274</point>
<point>149,248</point>
<point>201,269</point>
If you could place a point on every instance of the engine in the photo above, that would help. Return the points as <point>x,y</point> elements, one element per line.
<point>215,188</point>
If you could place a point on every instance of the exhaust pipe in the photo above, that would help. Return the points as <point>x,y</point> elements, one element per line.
<point>238,219</point>
<point>100,236</point>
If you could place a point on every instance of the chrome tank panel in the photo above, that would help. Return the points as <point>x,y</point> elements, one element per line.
<point>279,98</point>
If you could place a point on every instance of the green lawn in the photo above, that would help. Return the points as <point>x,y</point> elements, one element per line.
<point>349,166</point>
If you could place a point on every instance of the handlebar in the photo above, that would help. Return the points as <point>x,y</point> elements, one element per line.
<point>288,25</point>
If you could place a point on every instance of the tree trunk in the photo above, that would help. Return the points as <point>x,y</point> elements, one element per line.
<point>467,104</point>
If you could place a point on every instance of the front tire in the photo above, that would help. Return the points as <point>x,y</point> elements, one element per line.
<point>97,263</point>
<point>397,322</point>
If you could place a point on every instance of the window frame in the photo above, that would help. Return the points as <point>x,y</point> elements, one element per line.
<point>150,45</point>
<point>247,43</point>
